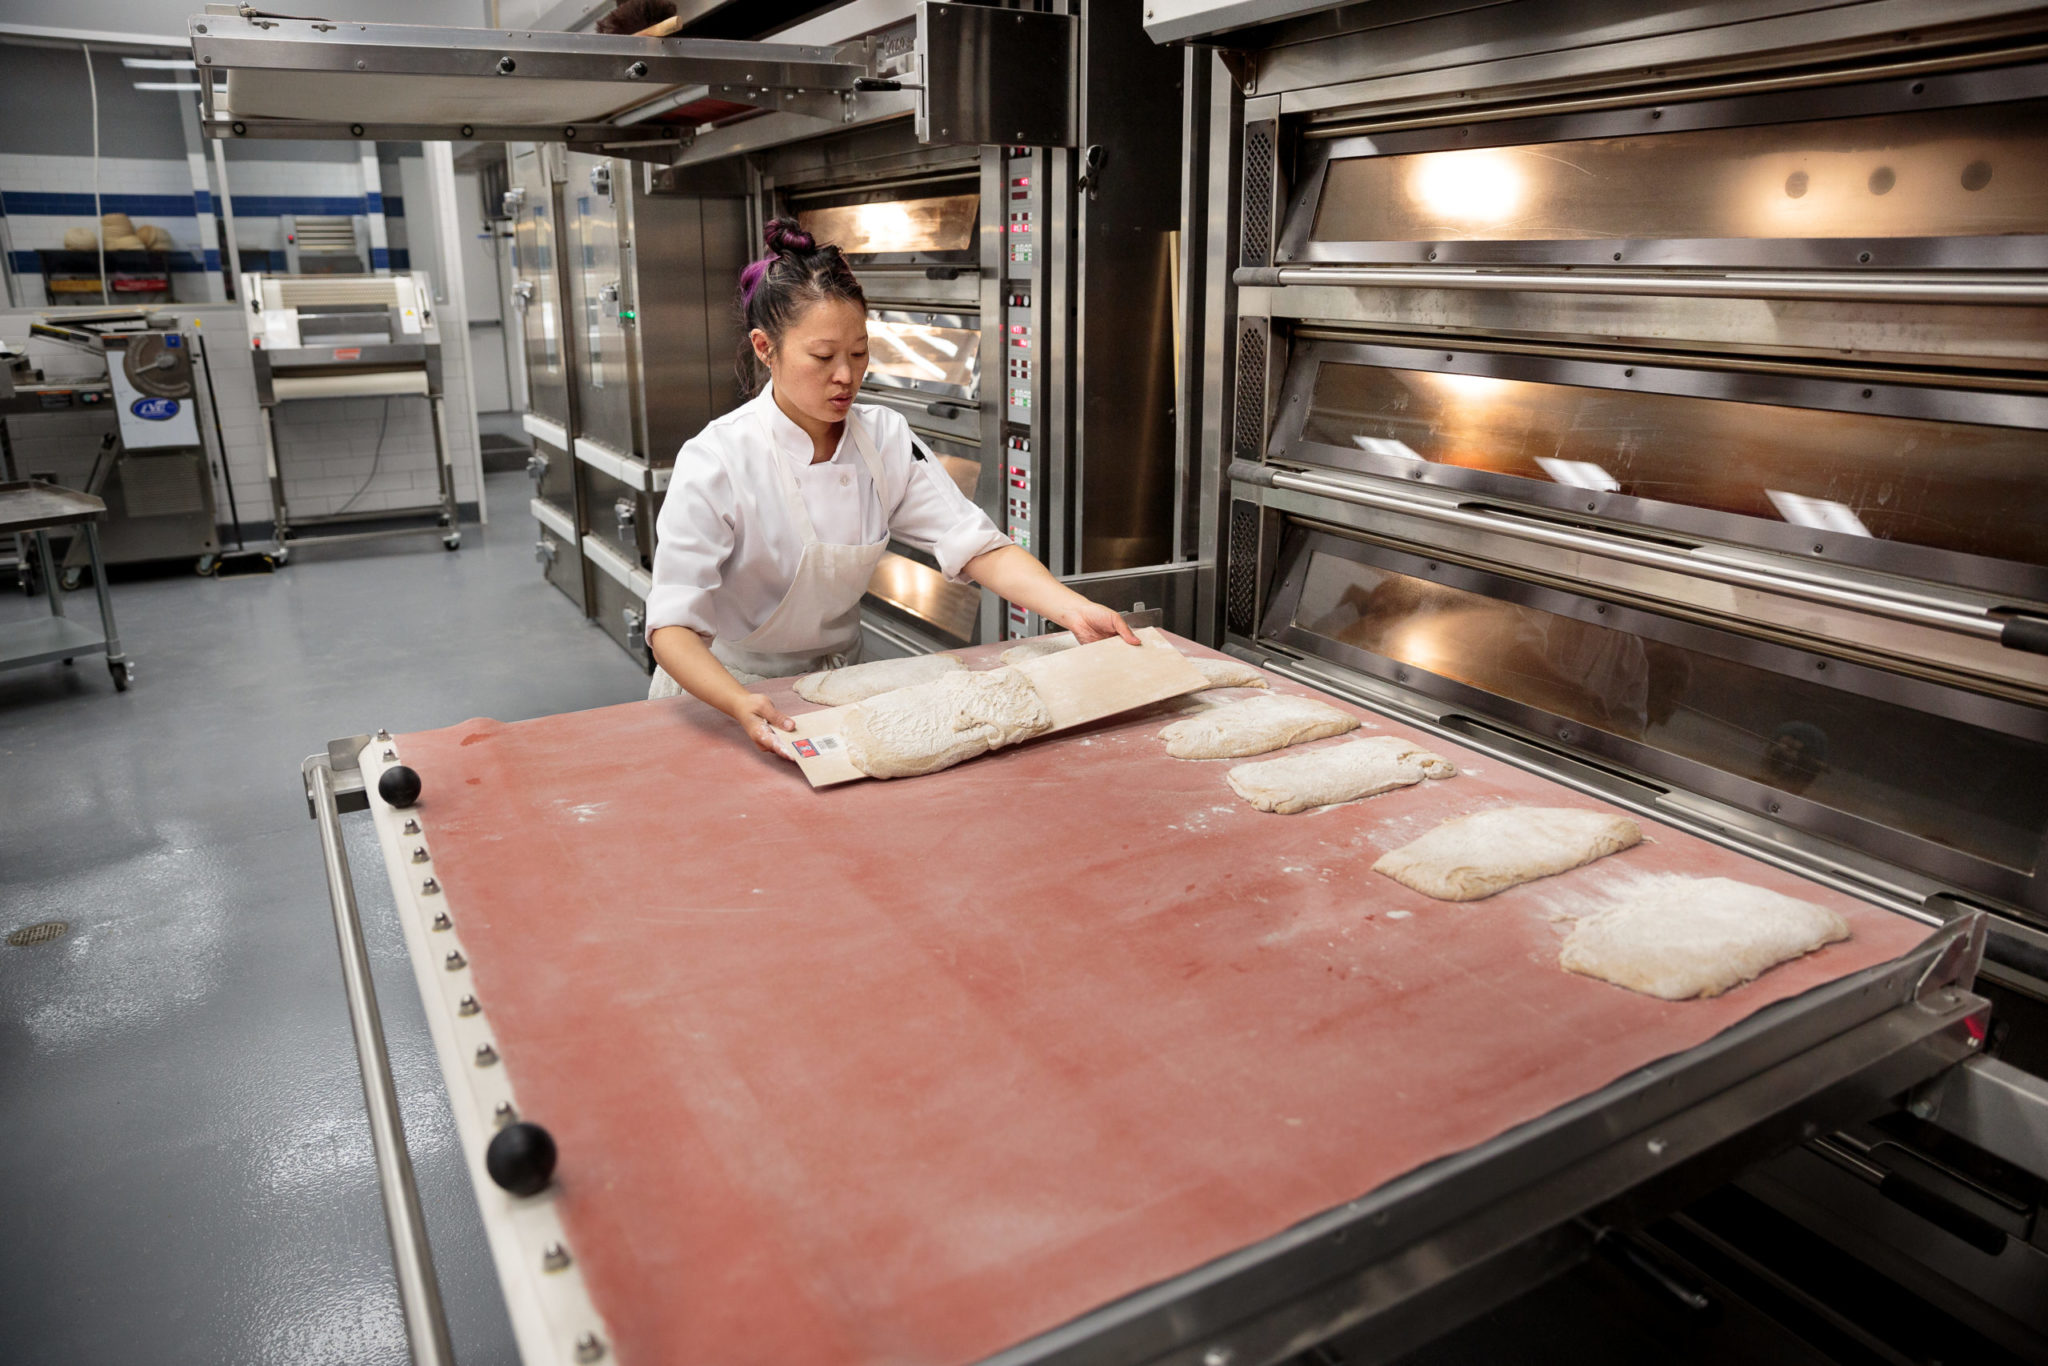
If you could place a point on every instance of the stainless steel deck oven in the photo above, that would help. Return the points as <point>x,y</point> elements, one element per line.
<point>1660,398</point>
<point>1022,299</point>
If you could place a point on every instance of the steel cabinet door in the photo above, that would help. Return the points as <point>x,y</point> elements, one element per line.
<point>537,291</point>
<point>595,232</point>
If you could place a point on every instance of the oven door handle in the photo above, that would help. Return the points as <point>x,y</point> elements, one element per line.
<point>2011,630</point>
<point>1841,286</point>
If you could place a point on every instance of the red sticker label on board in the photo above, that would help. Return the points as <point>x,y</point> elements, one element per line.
<point>348,353</point>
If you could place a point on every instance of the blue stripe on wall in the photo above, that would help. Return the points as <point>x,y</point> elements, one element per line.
<point>203,200</point>
<point>177,205</point>
<point>380,259</point>
<point>80,205</point>
<point>271,205</point>
<point>375,202</point>
<point>27,263</point>
<point>394,206</point>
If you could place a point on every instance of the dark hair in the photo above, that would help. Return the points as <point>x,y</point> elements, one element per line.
<point>776,290</point>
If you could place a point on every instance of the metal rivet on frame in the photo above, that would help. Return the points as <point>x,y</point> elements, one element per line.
<point>485,1055</point>
<point>419,854</point>
<point>589,1347</point>
<point>554,1257</point>
<point>430,886</point>
<point>455,961</point>
<point>383,733</point>
<point>390,754</point>
<point>467,1006</point>
<point>411,827</point>
<point>504,1114</point>
<point>442,922</point>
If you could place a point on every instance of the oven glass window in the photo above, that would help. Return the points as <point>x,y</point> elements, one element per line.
<point>1979,171</point>
<point>1945,485</point>
<point>1943,780</point>
<point>941,223</point>
<point>927,357</point>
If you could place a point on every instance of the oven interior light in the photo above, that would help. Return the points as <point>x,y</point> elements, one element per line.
<point>1482,185</point>
<point>1473,388</point>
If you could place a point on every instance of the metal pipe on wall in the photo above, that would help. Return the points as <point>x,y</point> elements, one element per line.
<point>440,158</point>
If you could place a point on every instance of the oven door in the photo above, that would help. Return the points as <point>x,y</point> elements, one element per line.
<point>908,596</point>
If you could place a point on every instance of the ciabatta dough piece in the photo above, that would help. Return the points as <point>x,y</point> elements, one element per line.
<point>1038,647</point>
<point>935,725</point>
<point>1254,726</point>
<point>1686,937</point>
<point>859,682</point>
<point>1228,673</point>
<point>1469,857</point>
<point>1336,773</point>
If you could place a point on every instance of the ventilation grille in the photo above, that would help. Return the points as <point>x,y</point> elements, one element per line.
<point>328,233</point>
<point>1241,570</point>
<point>1249,428</point>
<point>28,936</point>
<point>1256,247</point>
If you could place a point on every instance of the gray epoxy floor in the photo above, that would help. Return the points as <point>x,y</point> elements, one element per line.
<point>189,1166</point>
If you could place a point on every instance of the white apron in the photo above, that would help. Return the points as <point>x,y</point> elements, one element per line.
<point>817,623</point>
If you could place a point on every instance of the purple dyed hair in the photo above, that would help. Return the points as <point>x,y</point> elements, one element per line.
<point>780,287</point>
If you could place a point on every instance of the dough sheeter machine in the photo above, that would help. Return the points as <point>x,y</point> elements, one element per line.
<point>348,336</point>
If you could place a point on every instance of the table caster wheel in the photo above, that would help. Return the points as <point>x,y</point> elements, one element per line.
<point>281,556</point>
<point>205,566</point>
<point>453,541</point>
<point>123,673</point>
<point>71,578</point>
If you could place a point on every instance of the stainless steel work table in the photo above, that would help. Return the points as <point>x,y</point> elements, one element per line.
<point>30,507</point>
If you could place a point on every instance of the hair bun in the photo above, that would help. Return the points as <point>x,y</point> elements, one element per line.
<point>785,236</point>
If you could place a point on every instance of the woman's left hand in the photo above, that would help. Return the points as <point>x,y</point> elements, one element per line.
<point>1091,621</point>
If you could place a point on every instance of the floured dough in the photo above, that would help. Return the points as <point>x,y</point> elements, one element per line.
<point>935,725</point>
<point>1336,773</point>
<point>859,682</point>
<point>1469,857</point>
<point>1682,937</point>
<point>1038,647</point>
<point>1228,673</point>
<point>1254,726</point>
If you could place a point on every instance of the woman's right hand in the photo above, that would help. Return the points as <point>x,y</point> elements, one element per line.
<point>760,718</point>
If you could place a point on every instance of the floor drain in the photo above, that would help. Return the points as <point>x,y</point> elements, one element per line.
<point>29,935</point>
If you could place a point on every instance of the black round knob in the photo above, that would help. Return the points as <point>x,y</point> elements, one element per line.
<point>399,786</point>
<point>521,1158</point>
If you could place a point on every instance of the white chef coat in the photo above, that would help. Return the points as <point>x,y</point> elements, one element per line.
<point>726,545</point>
